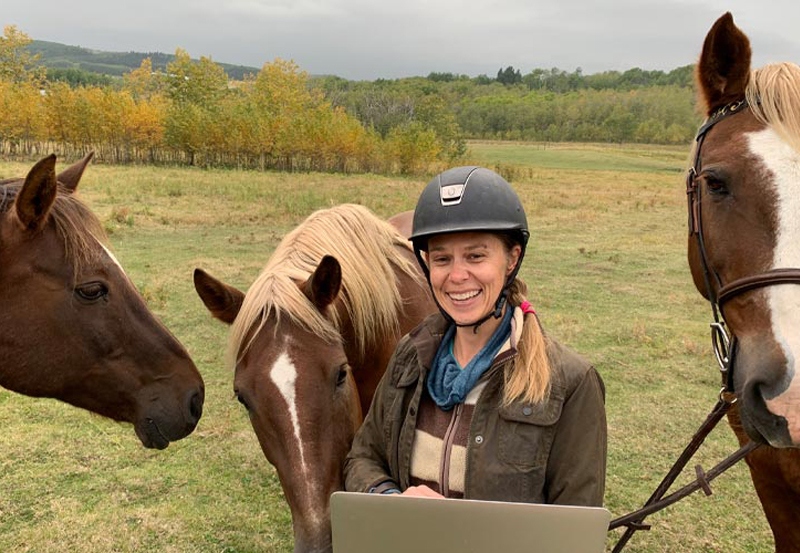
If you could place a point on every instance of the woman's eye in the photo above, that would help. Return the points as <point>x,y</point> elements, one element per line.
<point>92,291</point>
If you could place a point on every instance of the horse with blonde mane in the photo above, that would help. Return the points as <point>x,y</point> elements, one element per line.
<point>310,341</point>
<point>744,254</point>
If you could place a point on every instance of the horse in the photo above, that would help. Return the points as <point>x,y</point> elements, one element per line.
<point>310,341</point>
<point>743,250</point>
<point>72,325</point>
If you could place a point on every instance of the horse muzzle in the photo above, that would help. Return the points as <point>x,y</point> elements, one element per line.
<point>160,423</point>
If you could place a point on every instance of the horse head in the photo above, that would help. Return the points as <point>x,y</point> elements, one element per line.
<point>744,239</point>
<point>300,395</point>
<point>72,325</point>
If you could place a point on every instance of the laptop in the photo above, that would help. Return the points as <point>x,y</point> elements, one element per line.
<point>374,523</point>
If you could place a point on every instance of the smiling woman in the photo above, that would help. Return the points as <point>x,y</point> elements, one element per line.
<point>477,402</point>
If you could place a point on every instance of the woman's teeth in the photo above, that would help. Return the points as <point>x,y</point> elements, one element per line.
<point>464,295</point>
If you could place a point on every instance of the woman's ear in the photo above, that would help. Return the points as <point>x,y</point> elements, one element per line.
<point>513,258</point>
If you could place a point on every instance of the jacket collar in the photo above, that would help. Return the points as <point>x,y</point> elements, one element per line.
<point>427,336</point>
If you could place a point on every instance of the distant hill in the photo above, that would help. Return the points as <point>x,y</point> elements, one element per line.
<point>62,56</point>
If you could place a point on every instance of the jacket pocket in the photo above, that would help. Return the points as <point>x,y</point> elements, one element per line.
<point>527,430</point>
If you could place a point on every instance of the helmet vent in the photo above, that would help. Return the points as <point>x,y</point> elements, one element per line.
<point>451,194</point>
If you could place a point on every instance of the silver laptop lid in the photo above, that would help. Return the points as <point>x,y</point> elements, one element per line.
<point>373,523</point>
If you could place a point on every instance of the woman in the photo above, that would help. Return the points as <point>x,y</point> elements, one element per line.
<point>476,402</point>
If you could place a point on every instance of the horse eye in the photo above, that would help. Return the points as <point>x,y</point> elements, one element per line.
<point>716,184</point>
<point>92,291</point>
<point>341,377</point>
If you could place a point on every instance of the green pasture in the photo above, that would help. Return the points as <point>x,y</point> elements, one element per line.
<point>570,155</point>
<point>607,273</point>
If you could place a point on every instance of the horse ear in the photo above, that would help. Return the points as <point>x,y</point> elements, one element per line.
<point>34,200</point>
<point>71,176</point>
<point>222,300</point>
<point>324,285</point>
<point>724,68</point>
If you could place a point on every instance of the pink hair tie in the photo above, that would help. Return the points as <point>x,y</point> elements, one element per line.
<point>527,307</point>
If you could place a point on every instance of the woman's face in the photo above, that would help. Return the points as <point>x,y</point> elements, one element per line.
<point>468,270</point>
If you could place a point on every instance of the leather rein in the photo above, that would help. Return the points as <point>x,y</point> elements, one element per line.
<point>723,342</point>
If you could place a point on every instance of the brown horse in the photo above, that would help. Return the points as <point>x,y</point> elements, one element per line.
<point>72,325</point>
<point>310,341</point>
<point>745,209</point>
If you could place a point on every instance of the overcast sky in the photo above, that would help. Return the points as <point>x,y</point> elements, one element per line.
<point>368,39</point>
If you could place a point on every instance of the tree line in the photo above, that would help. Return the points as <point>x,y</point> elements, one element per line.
<point>543,105</point>
<point>280,118</point>
<point>192,114</point>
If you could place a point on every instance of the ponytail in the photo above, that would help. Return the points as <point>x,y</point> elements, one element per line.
<point>528,380</point>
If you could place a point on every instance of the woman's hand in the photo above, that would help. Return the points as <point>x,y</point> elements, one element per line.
<point>422,491</point>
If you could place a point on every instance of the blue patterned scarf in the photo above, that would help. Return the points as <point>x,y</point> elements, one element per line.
<point>448,383</point>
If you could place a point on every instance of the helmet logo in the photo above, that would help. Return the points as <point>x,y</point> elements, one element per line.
<point>451,194</point>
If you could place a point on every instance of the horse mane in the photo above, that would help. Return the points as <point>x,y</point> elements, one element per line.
<point>367,250</point>
<point>774,97</point>
<point>74,222</point>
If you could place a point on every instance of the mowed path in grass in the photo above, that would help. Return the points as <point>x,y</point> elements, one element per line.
<point>607,273</point>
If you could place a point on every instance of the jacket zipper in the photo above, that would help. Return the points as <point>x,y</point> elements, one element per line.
<point>449,438</point>
<point>450,433</point>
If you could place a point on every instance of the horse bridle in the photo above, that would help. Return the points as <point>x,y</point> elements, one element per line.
<point>724,343</point>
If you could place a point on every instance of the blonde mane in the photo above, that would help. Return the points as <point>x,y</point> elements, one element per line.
<point>774,97</point>
<point>367,250</point>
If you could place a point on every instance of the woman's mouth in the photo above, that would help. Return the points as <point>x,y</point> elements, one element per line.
<point>463,296</point>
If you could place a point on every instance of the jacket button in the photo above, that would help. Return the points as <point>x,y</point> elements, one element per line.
<point>412,411</point>
<point>527,410</point>
<point>478,439</point>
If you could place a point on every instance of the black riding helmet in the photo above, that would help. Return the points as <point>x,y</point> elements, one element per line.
<point>467,199</point>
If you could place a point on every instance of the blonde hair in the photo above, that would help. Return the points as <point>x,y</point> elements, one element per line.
<point>528,379</point>
<point>368,251</point>
<point>773,94</point>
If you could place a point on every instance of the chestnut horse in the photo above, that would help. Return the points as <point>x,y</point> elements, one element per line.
<point>745,222</point>
<point>310,342</point>
<point>72,325</point>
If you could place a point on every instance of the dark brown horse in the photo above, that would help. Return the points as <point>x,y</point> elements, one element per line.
<point>310,341</point>
<point>746,210</point>
<point>72,325</point>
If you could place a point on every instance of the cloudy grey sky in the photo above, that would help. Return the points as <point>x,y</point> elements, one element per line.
<point>363,39</point>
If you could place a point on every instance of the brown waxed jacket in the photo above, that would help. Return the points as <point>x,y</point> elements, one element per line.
<point>548,452</point>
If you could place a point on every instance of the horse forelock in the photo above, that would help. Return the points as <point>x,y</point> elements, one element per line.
<point>367,250</point>
<point>74,222</point>
<point>773,94</point>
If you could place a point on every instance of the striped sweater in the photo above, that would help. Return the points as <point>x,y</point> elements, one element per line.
<point>439,453</point>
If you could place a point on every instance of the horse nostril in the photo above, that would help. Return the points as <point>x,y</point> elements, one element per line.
<point>196,407</point>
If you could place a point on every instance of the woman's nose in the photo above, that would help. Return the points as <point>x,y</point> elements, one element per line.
<point>459,272</point>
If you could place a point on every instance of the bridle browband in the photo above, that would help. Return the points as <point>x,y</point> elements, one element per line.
<point>724,344</point>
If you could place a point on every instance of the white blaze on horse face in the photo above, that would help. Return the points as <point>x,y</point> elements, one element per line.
<point>783,162</point>
<point>112,257</point>
<point>284,375</point>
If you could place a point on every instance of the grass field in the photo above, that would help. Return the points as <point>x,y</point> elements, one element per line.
<point>607,271</point>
